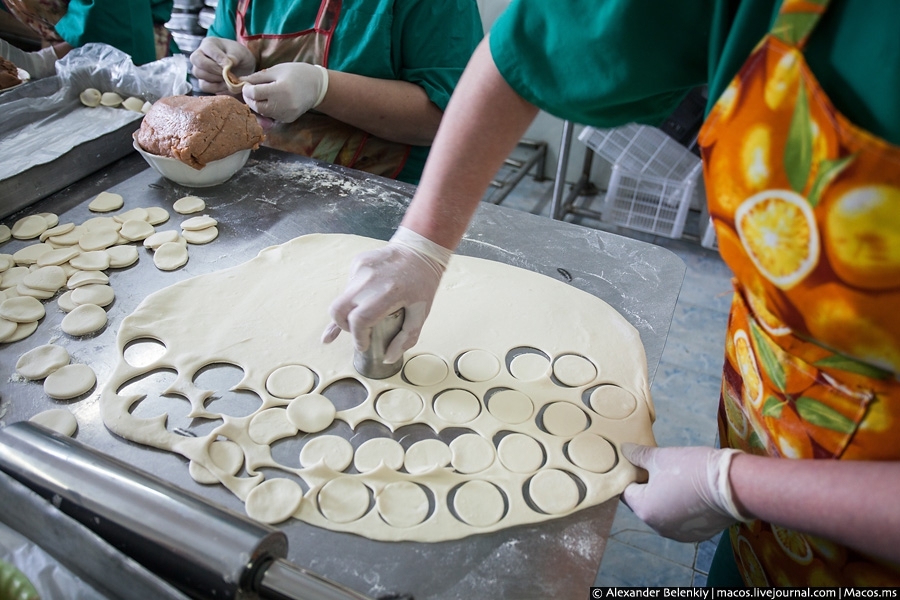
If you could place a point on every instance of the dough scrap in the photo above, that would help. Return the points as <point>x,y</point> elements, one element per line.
<point>208,318</point>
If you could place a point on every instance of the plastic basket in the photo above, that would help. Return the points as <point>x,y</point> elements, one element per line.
<point>653,178</point>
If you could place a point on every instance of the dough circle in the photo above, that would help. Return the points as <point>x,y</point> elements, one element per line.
<point>344,500</point>
<point>471,453</point>
<point>40,362</point>
<point>270,425</point>
<point>58,257</point>
<point>290,381</point>
<point>333,450</point>
<point>22,309</point>
<point>200,236</point>
<point>612,402</point>
<point>23,330</point>
<point>60,420</point>
<point>376,451</point>
<point>402,504</point>
<point>574,370</point>
<point>97,260</point>
<point>48,279</point>
<point>188,205</point>
<point>106,201</point>
<point>520,453</point>
<point>98,240</point>
<point>274,500</point>
<point>529,366</point>
<point>592,453</point>
<point>101,295</point>
<point>69,381</point>
<point>426,455</point>
<point>170,256</point>
<point>553,491</point>
<point>225,454</point>
<point>564,419</point>
<point>161,237</point>
<point>457,406</point>
<point>311,412</point>
<point>425,370</point>
<point>478,365</point>
<point>479,503</point>
<point>399,405</point>
<point>511,406</point>
<point>84,319</point>
<point>121,256</point>
<point>197,223</point>
<point>29,227</point>
<point>7,329</point>
<point>136,230</point>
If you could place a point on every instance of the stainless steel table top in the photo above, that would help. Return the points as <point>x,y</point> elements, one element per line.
<point>277,197</point>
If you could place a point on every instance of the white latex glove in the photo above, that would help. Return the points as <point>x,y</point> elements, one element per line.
<point>39,64</point>
<point>286,91</point>
<point>688,496</point>
<point>403,274</point>
<point>213,55</point>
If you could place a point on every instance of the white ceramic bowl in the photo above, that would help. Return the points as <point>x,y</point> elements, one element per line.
<point>214,173</point>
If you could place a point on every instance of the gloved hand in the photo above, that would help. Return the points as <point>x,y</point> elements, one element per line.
<point>403,274</point>
<point>213,55</point>
<point>286,91</point>
<point>688,496</point>
<point>39,64</point>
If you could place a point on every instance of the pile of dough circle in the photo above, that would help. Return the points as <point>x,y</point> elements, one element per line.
<point>485,455</point>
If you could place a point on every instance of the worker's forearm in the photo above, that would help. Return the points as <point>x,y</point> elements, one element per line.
<point>851,502</point>
<point>481,126</point>
<point>398,111</point>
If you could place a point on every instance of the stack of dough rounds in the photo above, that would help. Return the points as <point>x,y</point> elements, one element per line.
<point>200,230</point>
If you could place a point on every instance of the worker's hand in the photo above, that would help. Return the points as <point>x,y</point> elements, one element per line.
<point>38,64</point>
<point>688,495</point>
<point>403,274</point>
<point>213,55</point>
<point>286,91</point>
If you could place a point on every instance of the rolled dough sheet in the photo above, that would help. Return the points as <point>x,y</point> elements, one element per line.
<point>267,315</point>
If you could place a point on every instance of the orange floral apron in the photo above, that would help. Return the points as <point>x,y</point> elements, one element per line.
<point>314,134</point>
<point>806,208</point>
<point>43,15</point>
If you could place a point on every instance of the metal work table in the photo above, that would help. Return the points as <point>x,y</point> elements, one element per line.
<point>277,197</point>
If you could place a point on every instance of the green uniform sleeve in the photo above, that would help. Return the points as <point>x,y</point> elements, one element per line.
<point>604,63</point>
<point>223,26</point>
<point>127,26</point>
<point>433,42</point>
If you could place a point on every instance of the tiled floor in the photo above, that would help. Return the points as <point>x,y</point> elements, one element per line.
<point>685,392</point>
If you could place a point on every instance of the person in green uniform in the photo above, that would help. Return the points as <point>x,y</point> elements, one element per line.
<point>608,63</point>
<point>135,27</point>
<point>360,83</point>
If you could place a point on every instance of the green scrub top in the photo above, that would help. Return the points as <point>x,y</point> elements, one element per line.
<point>610,62</point>
<point>424,42</point>
<point>124,24</point>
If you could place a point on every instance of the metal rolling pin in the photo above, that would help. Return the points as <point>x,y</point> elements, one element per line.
<point>371,362</point>
<point>205,550</point>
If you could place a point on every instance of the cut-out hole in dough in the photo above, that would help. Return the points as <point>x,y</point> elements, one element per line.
<point>528,364</point>
<point>509,406</point>
<point>290,381</point>
<point>477,365</point>
<point>403,504</point>
<point>425,370</point>
<point>346,393</point>
<point>143,352</point>
<point>286,451</point>
<point>240,403</point>
<point>478,503</point>
<point>612,402</point>
<point>335,451</point>
<point>520,453</point>
<point>344,500</point>
<point>218,377</point>
<point>591,452</point>
<point>573,370</point>
<point>457,406</point>
<point>399,405</point>
<point>563,419</point>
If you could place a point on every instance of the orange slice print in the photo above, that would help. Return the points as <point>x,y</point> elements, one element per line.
<point>779,233</point>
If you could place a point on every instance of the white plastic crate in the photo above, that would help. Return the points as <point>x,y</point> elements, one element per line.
<point>653,178</point>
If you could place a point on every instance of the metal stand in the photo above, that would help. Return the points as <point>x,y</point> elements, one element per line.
<point>559,208</point>
<point>536,158</point>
